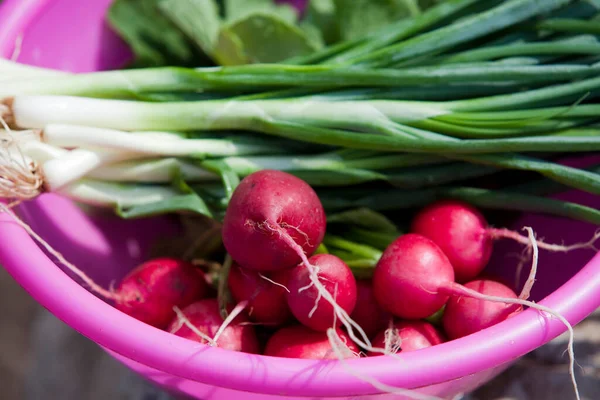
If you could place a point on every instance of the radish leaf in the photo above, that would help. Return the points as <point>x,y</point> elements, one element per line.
<point>199,19</point>
<point>321,14</point>
<point>238,9</point>
<point>358,18</point>
<point>261,38</point>
<point>153,38</point>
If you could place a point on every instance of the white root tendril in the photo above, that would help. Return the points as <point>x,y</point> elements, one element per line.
<point>273,282</point>
<point>86,279</point>
<point>508,234</point>
<point>392,339</point>
<point>526,291</point>
<point>182,320</point>
<point>461,290</point>
<point>234,313</point>
<point>351,325</point>
<point>337,346</point>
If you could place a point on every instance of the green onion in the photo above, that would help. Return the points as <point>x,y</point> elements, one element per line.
<point>506,14</point>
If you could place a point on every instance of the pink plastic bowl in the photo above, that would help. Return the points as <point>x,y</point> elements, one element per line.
<point>71,35</point>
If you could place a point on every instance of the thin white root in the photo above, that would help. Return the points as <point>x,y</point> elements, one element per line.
<point>526,291</point>
<point>508,234</point>
<point>86,279</point>
<point>392,341</point>
<point>234,313</point>
<point>182,320</point>
<point>351,325</point>
<point>337,345</point>
<point>461,290</point>
<point>273,282</point>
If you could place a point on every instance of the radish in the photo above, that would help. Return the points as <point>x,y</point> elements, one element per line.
<point>409,276</point>
<point>266,210</point>
<point>464,315</point>
<point>407,336</point>
<point>463,234</point>
<point>202,322</point>
<point>414,278</point>
<point>150,291</point>
<point>266,294</point>
<point>304,299</point>
<point>273,221</point>
<point>298,341</point>
<point>367,312</point>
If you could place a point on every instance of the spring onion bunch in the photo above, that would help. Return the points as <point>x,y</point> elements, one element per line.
<point>423,109</point>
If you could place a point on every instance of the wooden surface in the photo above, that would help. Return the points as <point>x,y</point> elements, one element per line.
<point>43,359</point>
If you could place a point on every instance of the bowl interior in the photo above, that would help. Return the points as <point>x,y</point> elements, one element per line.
<point>68,35</point>
<point>71,36</point>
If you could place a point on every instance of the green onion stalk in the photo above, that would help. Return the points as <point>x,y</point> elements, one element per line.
<point>143,83</point>
<point>134,200</point>
<point>37,111</point>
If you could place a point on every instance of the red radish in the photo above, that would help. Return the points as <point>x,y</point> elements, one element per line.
<point>301,342</point>
<point>205,317</point>
<point>407,336</point>
<point>268,208</point>
<point>464,315</point>
<point>414,278</point>
<point>464,235</point>
<point>275,220</point>
<point>409,275</point>
<point>367,312</point>
<point>150,291</point>
<point>461,232</point>
<point>303,297</point>
<point>266,294</point>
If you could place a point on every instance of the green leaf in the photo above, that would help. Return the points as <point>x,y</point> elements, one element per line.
<point>188,201</point>
<point>261,38</point>
<point>320,15</point>
<point>342,177</point>
<point>357,250</point>
<point>358,18</point>
<point>322,249</point>
<point>153,38</point>
<point>312,33</point>
<point>198,19</point>
<point>228,176</point>
<point>364,217</point>
<point>239,9</point>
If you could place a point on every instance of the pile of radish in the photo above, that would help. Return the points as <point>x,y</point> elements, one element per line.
<point>285,298</point>
<point>312,159</point>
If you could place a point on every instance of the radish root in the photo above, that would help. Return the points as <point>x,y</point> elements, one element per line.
<point>526,291</point>
<point>351,326</point>
<point>273,282</point>
<point>497,233</point>
<point>86,279</point>
<point>460,290</point>
<point>234,313</point>
<point>182,320</point>
<point>392,339</point>
<point>337,347</point>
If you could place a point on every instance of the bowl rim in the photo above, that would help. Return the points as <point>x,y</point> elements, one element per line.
<point>124,335</point>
